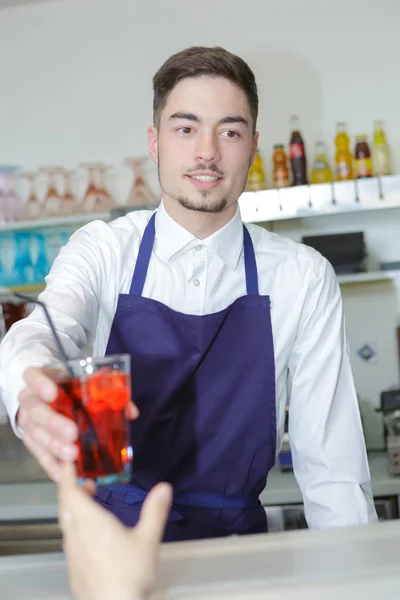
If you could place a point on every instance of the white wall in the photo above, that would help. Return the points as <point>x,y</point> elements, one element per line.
<point>76,74</point>
<point>76,86</point>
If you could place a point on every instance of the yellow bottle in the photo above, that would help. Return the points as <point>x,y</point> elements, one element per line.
<point>380,151</point>
<point>321,171</point>
<point>343,156</point>
<point>256,178</point>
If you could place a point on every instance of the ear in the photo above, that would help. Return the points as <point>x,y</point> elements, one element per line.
<point>152,137</point>
<point>255,146</point>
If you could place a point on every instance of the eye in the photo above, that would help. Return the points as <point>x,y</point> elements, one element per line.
<point>185,130</point>
<point>231,134</point>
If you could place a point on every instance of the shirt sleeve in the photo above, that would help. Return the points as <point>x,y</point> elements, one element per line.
<point>325,431</point>
<point>72,298</point>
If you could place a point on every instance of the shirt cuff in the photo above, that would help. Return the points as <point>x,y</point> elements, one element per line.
<point>10,398</point>
<point>13,383</point>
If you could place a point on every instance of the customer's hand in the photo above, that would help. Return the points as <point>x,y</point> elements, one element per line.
<point>49,436</point>
<point>106,560</point>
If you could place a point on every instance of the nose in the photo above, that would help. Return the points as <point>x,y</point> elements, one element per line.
<point>207,149</point>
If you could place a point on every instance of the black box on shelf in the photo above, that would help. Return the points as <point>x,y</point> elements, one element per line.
<point>345,251</point>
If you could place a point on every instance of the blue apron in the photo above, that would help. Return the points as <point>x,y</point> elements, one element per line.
<point>205,387</point>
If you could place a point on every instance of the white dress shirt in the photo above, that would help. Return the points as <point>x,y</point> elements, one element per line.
<point>199,277</point>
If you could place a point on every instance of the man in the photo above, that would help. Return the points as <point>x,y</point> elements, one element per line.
<point>220,320</point>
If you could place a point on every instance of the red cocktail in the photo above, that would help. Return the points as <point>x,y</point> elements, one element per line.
<point>95,397</point>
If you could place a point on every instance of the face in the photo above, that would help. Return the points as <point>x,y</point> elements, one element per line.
<point>204,145</point>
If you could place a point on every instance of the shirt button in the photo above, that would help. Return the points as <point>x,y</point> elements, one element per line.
<point>196,282</point>
<point>198,248</point>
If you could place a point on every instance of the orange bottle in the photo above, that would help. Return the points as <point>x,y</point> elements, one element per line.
<point>280,167</point>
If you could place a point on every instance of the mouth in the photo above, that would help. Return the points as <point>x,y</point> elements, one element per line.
<point>204,181</point>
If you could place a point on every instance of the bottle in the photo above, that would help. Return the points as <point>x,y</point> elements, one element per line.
<point>343,156</point>
<point>380,151</point>
<point>297,153</point>
<point>279,167</point>
<point>362,156</point>
<point>321,171</point>
<point>256,176</point>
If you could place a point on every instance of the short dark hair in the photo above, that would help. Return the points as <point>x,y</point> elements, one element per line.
<point>197,61</point>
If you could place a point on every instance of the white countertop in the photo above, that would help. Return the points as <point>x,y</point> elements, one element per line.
<point>347,563</point>
<point>282,488</point>
<point>38,500</point>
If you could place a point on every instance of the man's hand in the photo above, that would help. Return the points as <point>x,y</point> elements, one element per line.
<point>49,436</point>
<point>105,558</point>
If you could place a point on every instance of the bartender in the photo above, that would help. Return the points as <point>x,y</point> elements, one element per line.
<point>221,320</point>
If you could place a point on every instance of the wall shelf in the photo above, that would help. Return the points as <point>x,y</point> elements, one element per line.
<point>263,206</point>
<point>62,221</point>
<point>270,205</point>
<point>321,199</point>
<point>368,277</point>
<point>33,290</point>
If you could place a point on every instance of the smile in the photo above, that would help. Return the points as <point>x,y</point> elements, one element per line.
<point>205,178</point>
<point>206,181</point>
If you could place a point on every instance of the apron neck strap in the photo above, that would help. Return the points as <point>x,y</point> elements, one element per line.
<point>146,247</point>
<point>250,264</point>
<point>143,259</point>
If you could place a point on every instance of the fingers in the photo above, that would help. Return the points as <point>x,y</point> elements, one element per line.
<point>48,462</point>
<point>47,429</point>
<point>34,410</point>
<point>40,384</point>
<point>131,411</point>
<point>70,494</point>
<point>48,435</point>
<point>76,507</point>
<point>68,480</point>
<point>68,476</point>
<point>89,487</point>
<point>154,514</point>
<point>67,485</point>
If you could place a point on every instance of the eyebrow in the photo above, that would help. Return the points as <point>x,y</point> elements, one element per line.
<point>191,117</point>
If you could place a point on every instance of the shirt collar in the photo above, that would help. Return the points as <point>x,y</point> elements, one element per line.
<point>172,238</point>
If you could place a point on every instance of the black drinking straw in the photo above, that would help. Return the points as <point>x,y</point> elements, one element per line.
<point>105,459</point>
<point>57,340</point>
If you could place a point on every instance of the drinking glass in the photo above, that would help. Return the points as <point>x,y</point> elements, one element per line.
<point>95,394</point>
<point>69,203</point>
<point>11,205</point>
<point>96,199</point>
<point>51,206</point>
<point>140,195</point>
<point>33,208</point>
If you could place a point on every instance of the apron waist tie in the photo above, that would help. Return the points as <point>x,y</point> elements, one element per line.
<point>216,501</point>
<point>133,495</point>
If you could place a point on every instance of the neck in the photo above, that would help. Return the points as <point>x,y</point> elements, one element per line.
<point>200,224</point>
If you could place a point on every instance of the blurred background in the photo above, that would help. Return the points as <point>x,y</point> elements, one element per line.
<point>75,104</point>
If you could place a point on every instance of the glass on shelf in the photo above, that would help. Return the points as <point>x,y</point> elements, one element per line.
<point>140,196</point>
<point>107,200</point>
<point>33,207</point>
<point>69,203</point>
<point>11,204</point>
<point>97,199</point>
<point>52,201</point>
